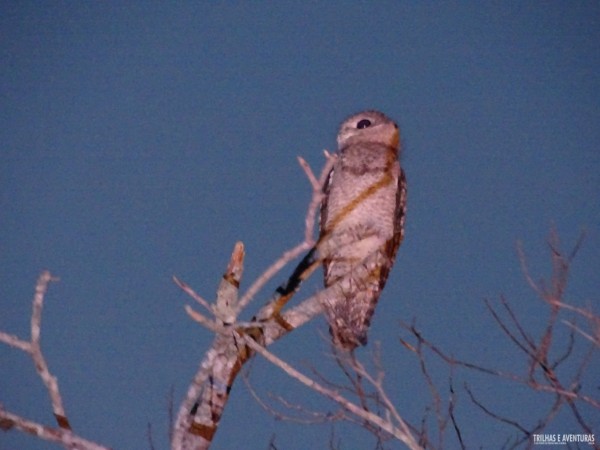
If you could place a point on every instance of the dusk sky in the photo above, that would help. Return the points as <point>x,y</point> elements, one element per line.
<point>141,140</point>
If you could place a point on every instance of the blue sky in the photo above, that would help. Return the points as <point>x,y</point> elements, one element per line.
<point>141,140</point>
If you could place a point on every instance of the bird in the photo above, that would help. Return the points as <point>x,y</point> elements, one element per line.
<point>361,223</point>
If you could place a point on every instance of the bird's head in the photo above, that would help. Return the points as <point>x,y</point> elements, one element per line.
<point>368,126</point>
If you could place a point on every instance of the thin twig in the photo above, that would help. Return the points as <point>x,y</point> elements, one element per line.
<point>14,341</point>
<point>494,415</point>
<point>307,243</point>
<point>592,339</point>
<point>402,433</point>
<point>271,271</point>
<point>451,406</point>
<point>317,194</point>
<point>309,417</point>
<point>189,291</point>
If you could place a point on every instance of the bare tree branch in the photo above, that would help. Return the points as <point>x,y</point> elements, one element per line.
<point>451,407</point>
<point>399,430</point>
<point>201,410</point>
<point>362,399</point>
<point>539,351</point>
<point>9,420</point>
<point>308,242</point>
<point>302,415</point>
<point>59,435</point>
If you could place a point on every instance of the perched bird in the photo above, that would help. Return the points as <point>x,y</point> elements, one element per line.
<point>362,223</point>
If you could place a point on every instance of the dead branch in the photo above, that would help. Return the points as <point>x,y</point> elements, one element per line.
<point>8,420</point>
<point>494,415</point>
<point>308,242</point>
<point>399,429</point>
<point>442,417</point>
<point>541,374</point>
<point>200,412</point>
<point>302,415</point>
<point>451,406</point>
<point>62,436</point>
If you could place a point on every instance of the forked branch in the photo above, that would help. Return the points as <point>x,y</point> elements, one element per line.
<point>8,420</point>
<point>200,412</point>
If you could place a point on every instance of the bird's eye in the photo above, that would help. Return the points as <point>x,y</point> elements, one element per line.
<point>364,123</point>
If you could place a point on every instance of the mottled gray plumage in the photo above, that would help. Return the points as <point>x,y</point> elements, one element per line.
<point>362,223</point>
